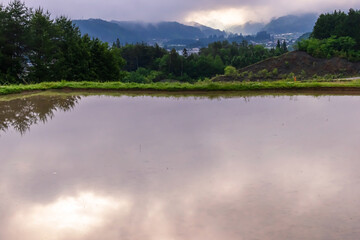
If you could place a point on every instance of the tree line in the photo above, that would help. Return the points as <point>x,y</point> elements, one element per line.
<point>35,48</point>
<point>335,34</point>
<point>146,63</point>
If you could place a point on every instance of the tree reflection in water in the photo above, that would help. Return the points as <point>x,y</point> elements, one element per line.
<point>21,113</point>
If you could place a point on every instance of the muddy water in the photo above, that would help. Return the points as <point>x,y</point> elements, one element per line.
<point>167,168</point>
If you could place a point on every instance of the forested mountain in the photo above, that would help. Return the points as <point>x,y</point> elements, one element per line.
<point>173,32</point>
<point>105,31</point>
<point>285,24</point>
<point>132,32</point>
<point>247,28</point>
<point>292,23</point>
<point>208,31</point>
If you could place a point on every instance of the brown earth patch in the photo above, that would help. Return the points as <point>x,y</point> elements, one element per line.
<point>300,63</point>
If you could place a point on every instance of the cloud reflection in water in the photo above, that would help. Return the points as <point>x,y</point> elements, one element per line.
<point>265,168</point>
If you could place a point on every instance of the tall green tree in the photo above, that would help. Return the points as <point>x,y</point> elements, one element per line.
<point>284,47</point>
<point>73,53</point>
<point>185,53</point>
<point>2,42</point>
<point>103,63</point>
<point>329,24</point>
<point>43,47</point>
<point>335,34</point>
<point>15,34</point>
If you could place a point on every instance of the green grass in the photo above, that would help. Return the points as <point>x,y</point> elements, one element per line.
<point>184,87</point>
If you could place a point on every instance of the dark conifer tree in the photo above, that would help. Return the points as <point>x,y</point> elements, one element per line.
<point>42,42</point>
<point>15,34</point>
<point>118,44</point>
<point>284,47</point>
<point>185,53</point>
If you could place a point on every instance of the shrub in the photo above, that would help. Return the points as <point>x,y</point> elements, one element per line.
<point>275,72</point>
<point>302,74</point>
<point>135,77</point>
<point>343,47</point>
<point>283,76</point>
<point>155,76</point>
<point>287,64</point>
<point>263,74</point>
<point>230,71</point>
<point>244,74</point>
<point>291,75</point>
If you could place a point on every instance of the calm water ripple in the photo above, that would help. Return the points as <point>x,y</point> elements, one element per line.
<point>89,167</point>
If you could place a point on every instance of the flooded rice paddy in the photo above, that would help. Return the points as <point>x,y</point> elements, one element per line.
<point>91,166</point>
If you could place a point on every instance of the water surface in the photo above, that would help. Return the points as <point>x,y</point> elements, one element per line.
<point>89,167</point>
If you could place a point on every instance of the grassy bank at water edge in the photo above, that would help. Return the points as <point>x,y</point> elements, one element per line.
<point>183,87</point>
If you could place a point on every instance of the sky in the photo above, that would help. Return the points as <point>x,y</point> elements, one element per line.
<point>214,13</point>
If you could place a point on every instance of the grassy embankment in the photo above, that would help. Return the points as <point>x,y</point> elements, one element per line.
<point>184,87</point>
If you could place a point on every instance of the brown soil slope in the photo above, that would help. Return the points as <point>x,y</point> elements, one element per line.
<point>301,63</point>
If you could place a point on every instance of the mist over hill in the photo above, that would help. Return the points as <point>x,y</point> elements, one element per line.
<point>286,24</point>
<point>194,35</point>
<point>132,32</point>
<point>247,28</point>
<point>105,31</point>
<point>292,23</point>
<point>208,31</point>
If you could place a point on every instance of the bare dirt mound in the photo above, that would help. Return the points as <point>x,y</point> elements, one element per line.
<point>297,63</point>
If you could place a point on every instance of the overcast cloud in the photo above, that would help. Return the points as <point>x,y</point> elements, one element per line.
<point>212,12</point>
